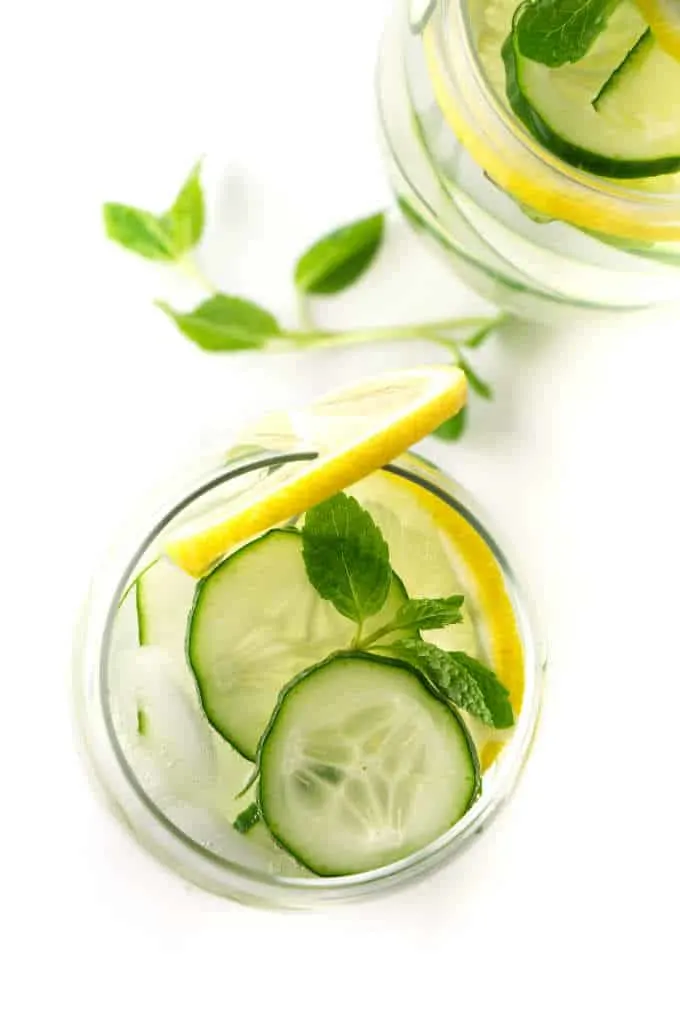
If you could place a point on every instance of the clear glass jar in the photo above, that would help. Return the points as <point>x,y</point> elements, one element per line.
<point>532,234</point>
<point>182,833</point>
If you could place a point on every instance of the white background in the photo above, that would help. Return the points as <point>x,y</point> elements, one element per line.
<point>569,905</point>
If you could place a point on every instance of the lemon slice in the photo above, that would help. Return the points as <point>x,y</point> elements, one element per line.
<point>436,551</point>
<point>354,430</point>
<point>663,17</point>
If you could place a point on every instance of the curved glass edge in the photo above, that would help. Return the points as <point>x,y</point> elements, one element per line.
<point>450,29</point>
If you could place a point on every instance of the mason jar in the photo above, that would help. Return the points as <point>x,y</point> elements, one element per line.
<point>528,231</point>
<point>177,797</point>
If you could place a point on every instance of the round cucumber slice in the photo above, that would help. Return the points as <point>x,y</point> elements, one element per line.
<point>361,765</point>
<point>613,113</point>
<point>255,624</point>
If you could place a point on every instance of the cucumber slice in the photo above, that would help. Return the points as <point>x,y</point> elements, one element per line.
<point>164,598</point>
<point>633,61</point>
<point>361,766</point>
<point>255,624</point>
<point>279,860</point>
<point>634,128</point>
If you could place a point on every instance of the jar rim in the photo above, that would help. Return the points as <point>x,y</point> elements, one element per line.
<point>165,839</point>
<point>454,61</point>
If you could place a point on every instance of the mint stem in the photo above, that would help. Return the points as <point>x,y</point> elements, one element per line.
<point>192,270</point>
<point>431,331</point>
<point>304,313</point>
<point>373,637</point>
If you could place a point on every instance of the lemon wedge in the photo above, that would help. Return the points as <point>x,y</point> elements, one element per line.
<point>663,17</point>
<point>436,550</point>
<point>354,430</point>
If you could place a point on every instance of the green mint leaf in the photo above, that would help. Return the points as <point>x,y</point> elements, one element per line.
<point>139,231</point>
<point>429,613</point>
<point>462,680</point>
<point>346,557</point>
<point>476,383</point>
<point>496,696</point>
<point>185,220</point>
<point>453,429</point>
<point>416,614</point>
<point>557,32</point>
<point>246,820</point>
<point>340,258</point>
<point>225,323</point>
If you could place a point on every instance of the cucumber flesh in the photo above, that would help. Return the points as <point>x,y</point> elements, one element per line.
<point>632,62</point>
<point>620,125</point>
<point>361,765</point>
<point>164,597</point>
<point>256,623</point>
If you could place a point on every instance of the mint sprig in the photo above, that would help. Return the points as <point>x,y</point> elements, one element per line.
<point>420,613</point>
<point>164,237</point>
<point>557,32</point>
<point>227,323</point>
<point>347,562</point>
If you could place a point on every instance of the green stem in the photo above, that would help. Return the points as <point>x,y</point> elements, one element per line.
<point>478,337</point>
<point>357,642</point>
<point>304,313</point>
<point>424,330</point>
<point>191,269</point>
<point>375,636</point>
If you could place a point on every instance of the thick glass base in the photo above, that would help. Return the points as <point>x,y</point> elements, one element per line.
<point>535,268</point>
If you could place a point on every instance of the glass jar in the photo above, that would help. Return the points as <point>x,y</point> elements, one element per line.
<point>179,828</point>
<point>536,236</point>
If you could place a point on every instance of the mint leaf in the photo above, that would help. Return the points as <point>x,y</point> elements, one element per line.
<point>246,820</point>
<point>476,383</point>
<point>462,680</point>
<point>454,428</point>
<point>496,696</point>
<point>225,323</point>
<point>557,32</point>
<point>430,612</point>
<point>421,613</point>
<point>185,220</point>
<point>346,557</point>
<point>139,231</point>
<point>341,257</point>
